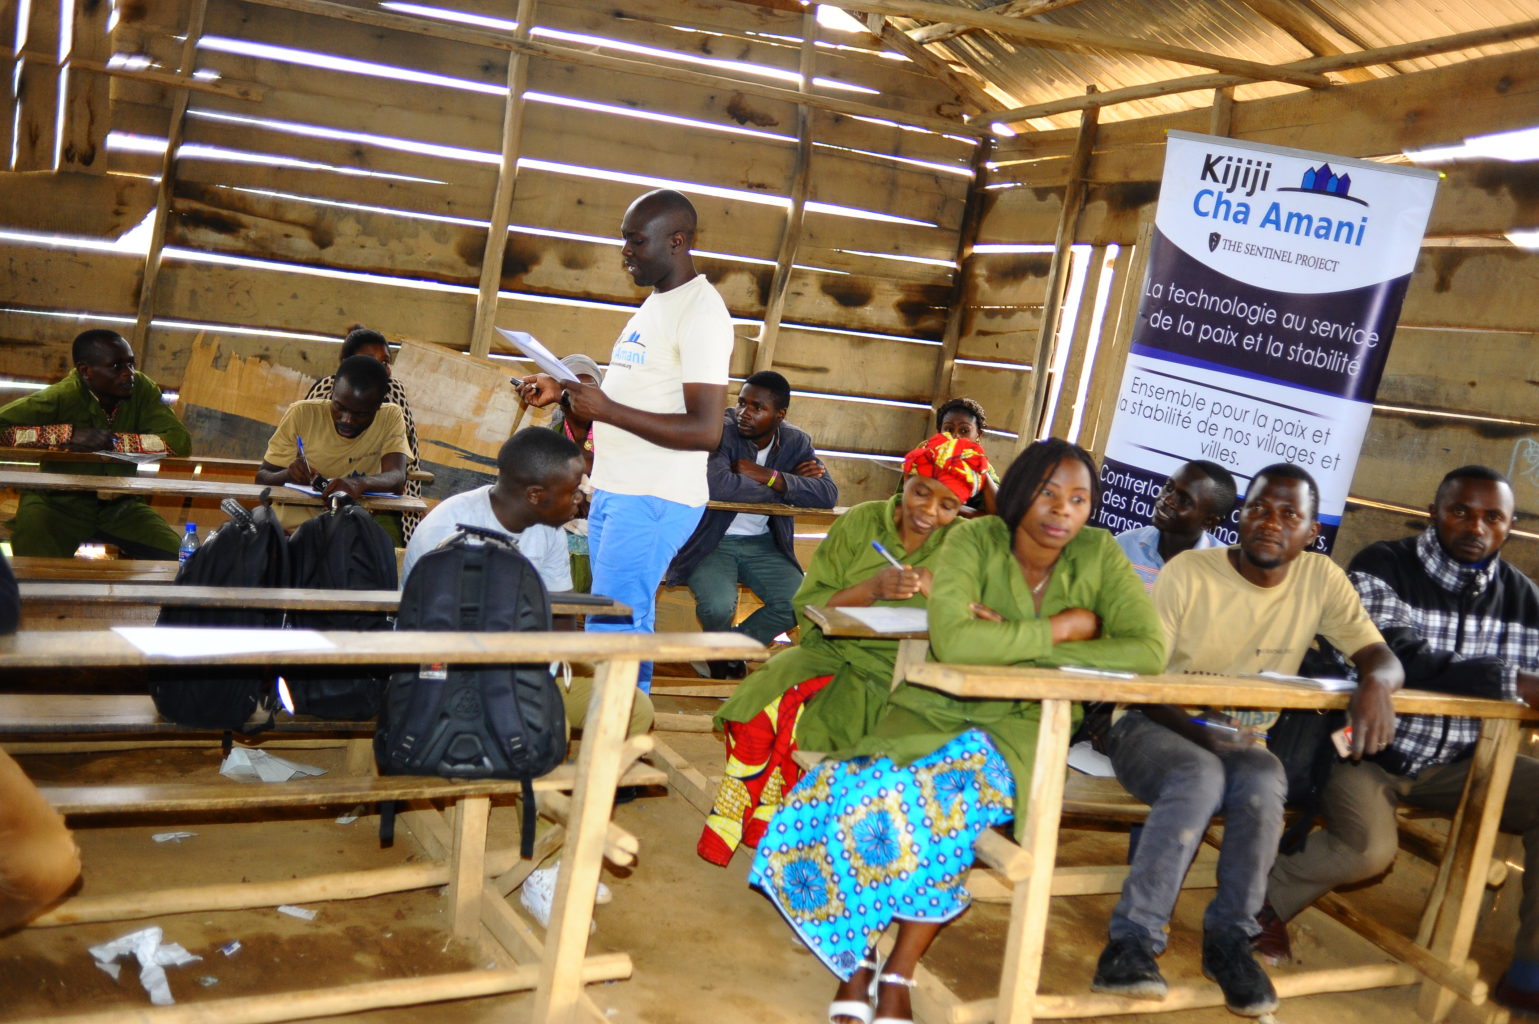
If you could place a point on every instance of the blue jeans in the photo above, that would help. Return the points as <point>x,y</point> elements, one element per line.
<point>631,540</point>
<point>1185,785</point>
<point>757,562</point>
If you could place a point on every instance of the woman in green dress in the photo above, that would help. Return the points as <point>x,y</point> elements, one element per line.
<point>883,830</point>
<point>770,714</point>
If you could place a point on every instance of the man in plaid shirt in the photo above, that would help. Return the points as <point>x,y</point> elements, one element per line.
<point>1461,621</point>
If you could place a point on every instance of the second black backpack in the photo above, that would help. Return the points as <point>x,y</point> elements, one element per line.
<point>343,548</point>
<point>474,721</point>
<point>248,551</point>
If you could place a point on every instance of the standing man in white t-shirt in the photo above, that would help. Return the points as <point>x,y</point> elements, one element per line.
<point>657,415</point>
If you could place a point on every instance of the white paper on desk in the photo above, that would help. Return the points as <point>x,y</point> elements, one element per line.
<point>196,642</point>
<point>542,356</point>
<point>1084,759</point>
<point>245,763</point>
<point>891,620</point>
<point>153,956</point>
<point>1329,684</point>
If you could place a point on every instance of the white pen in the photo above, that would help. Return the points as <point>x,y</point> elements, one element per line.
<point>1102,672</point>
<point>886,554</point>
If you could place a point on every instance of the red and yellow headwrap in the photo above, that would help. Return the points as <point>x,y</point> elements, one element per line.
<point>957,462</point>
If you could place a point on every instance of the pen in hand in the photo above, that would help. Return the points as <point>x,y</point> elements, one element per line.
<point>1227,727</point>
<point>887,555</point>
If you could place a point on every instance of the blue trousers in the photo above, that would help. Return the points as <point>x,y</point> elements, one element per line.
<point>1185,785</point>
<point>631,540</point>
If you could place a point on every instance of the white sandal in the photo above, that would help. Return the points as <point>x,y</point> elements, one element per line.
<point>894,979</point>
<point>851,1009</point>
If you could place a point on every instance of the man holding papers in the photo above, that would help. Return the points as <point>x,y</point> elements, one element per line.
<point>1238,610</point>
<point>350,443</point>
<point>657,415</point>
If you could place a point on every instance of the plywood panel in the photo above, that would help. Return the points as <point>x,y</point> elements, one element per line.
<point>1479,372</point>
<point>1465,287</point>
<point>463,408</point>
<point>1405,455</point>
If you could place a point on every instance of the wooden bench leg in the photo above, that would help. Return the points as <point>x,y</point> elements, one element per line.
<point>467,866</point>
<point>1453,909</point>
<point>360,756</point>
<point>598,771</point>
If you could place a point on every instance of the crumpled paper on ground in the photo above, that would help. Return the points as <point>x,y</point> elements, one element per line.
<point>242,763</point>
<point>153,956</point>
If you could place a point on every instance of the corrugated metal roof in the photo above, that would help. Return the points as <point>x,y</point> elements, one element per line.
<point>1023,74</point>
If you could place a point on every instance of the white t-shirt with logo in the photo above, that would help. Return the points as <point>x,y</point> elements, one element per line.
<point>677,337</point>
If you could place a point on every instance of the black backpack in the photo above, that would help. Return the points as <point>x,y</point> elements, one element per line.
<point>343,548</point>
<point>248,551</point>
<point>482,721</point>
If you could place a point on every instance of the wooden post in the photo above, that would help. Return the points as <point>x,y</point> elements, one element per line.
<point>10,46</point>
<point>1068,218</point>
<point>151,277</point>
<point>507,179</point>
<point>86,112</point>
<point>1128,275</point>
<point>37,91</point>
<point>1081,346</point>
<point>961,293</point>
<point>1222,112</point>
<point>764,353</point>
<point>598,770</point>
<point>466,866</point>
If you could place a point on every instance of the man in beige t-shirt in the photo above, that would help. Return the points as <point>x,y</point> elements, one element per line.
<point>1239,610</point>
<point>348,444</point>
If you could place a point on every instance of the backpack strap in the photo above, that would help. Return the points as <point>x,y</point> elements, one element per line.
<point>526,832</point>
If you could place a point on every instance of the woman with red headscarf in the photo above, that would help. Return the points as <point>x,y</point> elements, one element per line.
<point>772,712</point>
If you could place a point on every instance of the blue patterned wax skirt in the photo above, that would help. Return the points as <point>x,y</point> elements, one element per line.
<point>859,843</point>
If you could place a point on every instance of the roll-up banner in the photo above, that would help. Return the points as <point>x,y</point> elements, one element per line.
<point>1275,278</point>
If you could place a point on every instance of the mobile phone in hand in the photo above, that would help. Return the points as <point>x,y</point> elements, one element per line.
<point>1343,739</point>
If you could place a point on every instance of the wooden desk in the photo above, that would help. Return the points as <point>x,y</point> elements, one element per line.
<point>213,465</point>
<point>1448,928</point>
<point>43,601</point>
<point>837,623</point>
<point>153,485</point>
<point>102,570</point>
<point>775,508</point>
<point>562,963</point>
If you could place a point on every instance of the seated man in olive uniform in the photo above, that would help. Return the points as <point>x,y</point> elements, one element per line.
<point>103,405</point>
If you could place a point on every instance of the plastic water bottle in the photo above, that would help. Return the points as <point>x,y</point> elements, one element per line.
<point>189,543</point>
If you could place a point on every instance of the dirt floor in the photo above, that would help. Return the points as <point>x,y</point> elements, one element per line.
<point>706,949</point>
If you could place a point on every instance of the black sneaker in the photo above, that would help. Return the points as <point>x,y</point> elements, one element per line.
<point>1127,968</point>
<point>1227,959</point>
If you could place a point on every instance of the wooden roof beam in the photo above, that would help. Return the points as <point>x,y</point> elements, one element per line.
<point>646,67</point>
<point>1338,62</point>
<point>1297,22</point>
<point>969,89</point>
<point>927,34</point>
<point>1060,37</point>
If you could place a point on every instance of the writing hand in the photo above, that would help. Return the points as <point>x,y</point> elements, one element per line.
<point>1075,624</point>
<point>538,389</point>
<point>300,472</point>
<point>812,468</point>
<point>895,584</point>
<point>352,486</point>
<point>984,612</point>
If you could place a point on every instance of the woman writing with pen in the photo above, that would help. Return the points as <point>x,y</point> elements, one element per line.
<point>824,694</point>
<point>886,833</point>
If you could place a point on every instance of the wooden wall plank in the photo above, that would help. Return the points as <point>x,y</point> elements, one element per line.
<point>72,203</point>
<point>87,116</point>
<point>1404,456</point>
<point>861,479</point>
<point>1000,334</point>
<point>1463,371</point>
<point>1008,278</point>
<point>862,426</point>
<point>998,390</point>
<point>878,305</point>
<point>855,364</point>
<point>1455,286</point>
<point>36,347</point>
<point>869,183</point>
<point>43,277</point>
<point>37,91</point>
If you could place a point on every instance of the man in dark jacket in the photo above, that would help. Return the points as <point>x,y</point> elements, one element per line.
<point>1461,621</point>
<point>761,459</point>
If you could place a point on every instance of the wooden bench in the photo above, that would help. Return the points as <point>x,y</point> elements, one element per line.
<point>556,966</point>
<point>47,604</point>
<point>153,484</point>
<point>209,466</point>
